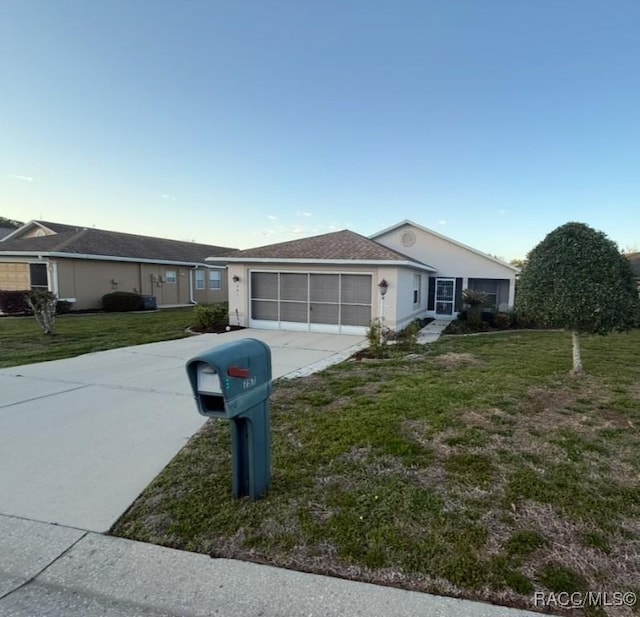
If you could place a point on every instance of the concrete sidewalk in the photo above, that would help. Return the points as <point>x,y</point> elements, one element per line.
<point>432,331</point>
<point>54,571</point>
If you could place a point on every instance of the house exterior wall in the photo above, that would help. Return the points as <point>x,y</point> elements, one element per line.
<point>397,306</point>
<point>208,295</point>
<point>406,310</point>
<point>85,281</point>
<point>450,260</point>
<point>88,280</point>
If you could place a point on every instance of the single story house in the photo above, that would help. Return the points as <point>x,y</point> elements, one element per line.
<point>341,281</point>
<point>81,264</point>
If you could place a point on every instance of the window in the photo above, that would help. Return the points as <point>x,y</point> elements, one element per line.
<point>417,288</point>
<point>199,279</point>
<point>171,276</point>
<point>38,276</point>
<point>492,288</point>
<point>215,279</point>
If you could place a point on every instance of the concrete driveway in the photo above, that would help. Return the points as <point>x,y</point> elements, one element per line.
<point>81,438</point>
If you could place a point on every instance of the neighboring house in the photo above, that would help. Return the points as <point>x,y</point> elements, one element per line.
<point>82,264</point>
<point>335,282</point>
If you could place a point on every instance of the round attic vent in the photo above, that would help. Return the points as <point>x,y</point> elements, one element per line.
<point>408,238</point>
<point>39,233</point>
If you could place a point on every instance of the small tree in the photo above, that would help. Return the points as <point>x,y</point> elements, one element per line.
<point>43,305</point>
<point>577,279</point>
<point>475,300</point>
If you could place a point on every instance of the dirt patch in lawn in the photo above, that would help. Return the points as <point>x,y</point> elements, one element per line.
<point>452,360</point>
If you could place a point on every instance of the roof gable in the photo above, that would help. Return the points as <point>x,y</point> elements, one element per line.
<point>410,223</point>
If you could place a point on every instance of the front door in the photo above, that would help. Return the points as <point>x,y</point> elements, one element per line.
<point>445,297</point>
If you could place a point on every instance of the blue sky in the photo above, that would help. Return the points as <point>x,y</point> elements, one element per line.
<point>243,123</point>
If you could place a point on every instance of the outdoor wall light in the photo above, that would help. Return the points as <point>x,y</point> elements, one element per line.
<point>235,278</point>
<point>383,286</point>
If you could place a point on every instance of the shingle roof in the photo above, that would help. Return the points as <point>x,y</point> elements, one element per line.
<point>342,245</point>
<point>634,258</point>
<point>81,241</point>
<point>59,227</point>
<point>5,231</point>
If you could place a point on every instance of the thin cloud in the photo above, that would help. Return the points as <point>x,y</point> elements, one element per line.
<point>271,217</point>
<point>301,213</point>
<point>166,196</point>
<point>442,222</point>
<point>23,178</point>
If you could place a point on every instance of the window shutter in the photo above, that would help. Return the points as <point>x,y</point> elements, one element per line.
<point>458,306</point>
<point>431,295</point>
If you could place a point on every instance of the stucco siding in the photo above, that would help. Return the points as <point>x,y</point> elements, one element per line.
<point>88,280</point>
<point>208,295</point>
<point>407,311</point>
<point>450,259</point>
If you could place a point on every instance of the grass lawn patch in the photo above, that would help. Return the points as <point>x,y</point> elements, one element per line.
<point>479,469</point>
<point>22,341</point>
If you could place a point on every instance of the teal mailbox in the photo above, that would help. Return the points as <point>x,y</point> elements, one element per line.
<point>233,381</point>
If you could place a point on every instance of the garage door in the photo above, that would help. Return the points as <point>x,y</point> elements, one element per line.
<point>317,302</point>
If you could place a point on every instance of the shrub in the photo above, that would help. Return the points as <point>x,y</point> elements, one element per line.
<point>408,338</point>
<point>502,321</point>
<point>121,301</point>
<point>211,316</point>
<point>475,300</point>
<point>466,327</point>
<point>489,317</point>
<point>378,336</point>
<point>14,302</point>
<point>63,307</point>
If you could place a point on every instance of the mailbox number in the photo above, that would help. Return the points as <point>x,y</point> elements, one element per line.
<point>248,383</point>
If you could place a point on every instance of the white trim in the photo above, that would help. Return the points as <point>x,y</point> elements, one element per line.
<point>54,268</point>
<point>27,254</point>
<point>307,326</point>
<point>452,301</point>
<point>295,326</point>
<point>416,265</point>
<point>28,225</point>
<point>442,237</point>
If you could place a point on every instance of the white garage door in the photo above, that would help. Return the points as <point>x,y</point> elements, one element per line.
<point>311,301</point>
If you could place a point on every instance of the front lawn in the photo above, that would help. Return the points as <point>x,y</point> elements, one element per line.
<point>22,341</point>
<point>478,468</point>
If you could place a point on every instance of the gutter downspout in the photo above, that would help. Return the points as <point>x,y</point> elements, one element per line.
<point>191,275</point>
<point>56,287</point>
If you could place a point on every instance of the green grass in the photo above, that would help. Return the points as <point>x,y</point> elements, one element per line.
<point>481,469</point>
<point>22,341</point>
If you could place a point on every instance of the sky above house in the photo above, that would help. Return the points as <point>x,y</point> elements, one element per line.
<point>243,123</point>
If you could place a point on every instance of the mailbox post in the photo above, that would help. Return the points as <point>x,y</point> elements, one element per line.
<point>233,381</point>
